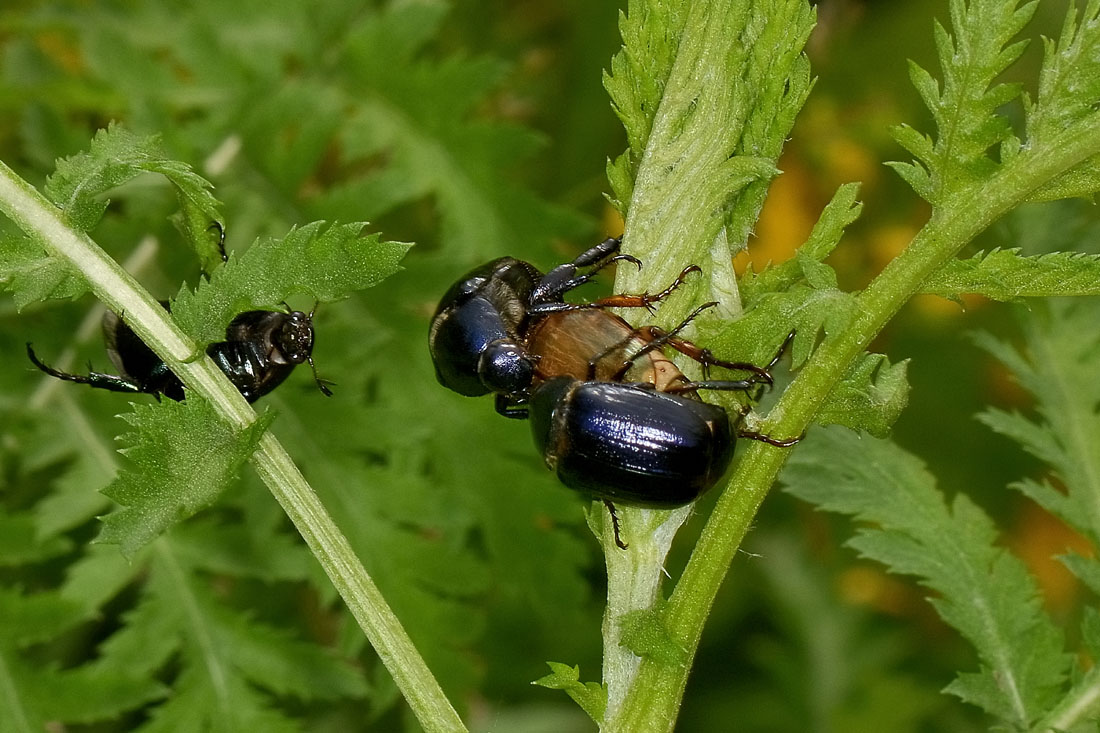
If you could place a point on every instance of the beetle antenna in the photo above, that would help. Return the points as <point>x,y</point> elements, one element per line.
<point>322,384</point>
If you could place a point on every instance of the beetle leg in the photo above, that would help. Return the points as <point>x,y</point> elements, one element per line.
<point>511,407</point>
<point>645,300</point>
<point>753,435</point>
<point>97,380</point>
<point>552,287</point>
<point>782,349</point>
<point>615,524</point>
<point>564,278</point>
<point>600,251</point>
<point>778,443</point>
<point>658,338</point>
<point>594,362</point>
<point>718,385</point>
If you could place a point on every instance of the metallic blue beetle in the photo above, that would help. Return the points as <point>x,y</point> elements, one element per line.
<point>476,338</point>
<point>629,444</point>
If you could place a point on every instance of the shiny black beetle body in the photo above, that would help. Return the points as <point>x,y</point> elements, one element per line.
<point>260,351</point>
<point>262,348</point>
<point>476,337</point>
<point>628,443</point>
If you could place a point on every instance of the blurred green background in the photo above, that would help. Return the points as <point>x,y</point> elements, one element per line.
<point>478,130</point>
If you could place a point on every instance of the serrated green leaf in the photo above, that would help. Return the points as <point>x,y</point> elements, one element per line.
<point>1056,365</point>
<point>651,31</point>
<point>870,397</point>
<point>965,106</point>
<point>37,617</point>
<point>1083,181</point>
<point>20,544</point>
<point>35,697</point>
<point>756,336</point>
<point>841,211</point>
<point>1003,274</point>
<point>916,176</point>
<point>238,550</point>
<point>1069,83</point>
<point>80,186</point>
<point>32,275</point>
<point>982,590</point>
<point>819,276</point>
<point>838,214</point>
<point>591,696</point>
<point>280,663</point>
<point>116,156</point>
<point>409,131</point>
<point>183,456</point>
<point>327,263</point>
<point>1087,569</point>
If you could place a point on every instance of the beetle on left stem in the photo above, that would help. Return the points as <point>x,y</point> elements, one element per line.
<point>260,350</point>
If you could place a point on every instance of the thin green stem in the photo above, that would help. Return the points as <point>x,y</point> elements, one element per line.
<point>121,293</point>
<point>654,699</point>
<point>1079,706</point>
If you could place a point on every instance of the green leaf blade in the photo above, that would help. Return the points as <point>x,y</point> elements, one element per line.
<point>327,263</point>
<point>965,107</point>
<point>1003,274</point>
<point>183,456</point>
<point>983,591</point>
<point>590,696</point>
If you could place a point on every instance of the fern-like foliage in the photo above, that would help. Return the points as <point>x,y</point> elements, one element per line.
<point>838,214</point>
<point>117,156</point>
<point>975,140</point>
<point>1051,364</point>
<point>183,456</point>
<point>80,187</point>
<point>651,31</point>
<point>1054,365</point>
<point>1006,275</point>
<point>35,696</point>
<point>1069,83</point>
<point>325,262</point>
<point>590,696</point>
<point>965,108</point>
<point>982,590</point>
<point>339,112</point>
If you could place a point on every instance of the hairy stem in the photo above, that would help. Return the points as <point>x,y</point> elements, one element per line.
<point>121,293</point>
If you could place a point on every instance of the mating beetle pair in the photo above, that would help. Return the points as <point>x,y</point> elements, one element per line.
<point>260,350</point>
<point>609,412</point>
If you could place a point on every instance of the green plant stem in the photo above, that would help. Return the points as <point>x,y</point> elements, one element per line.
<point>654,699</point>
<point>1081,705</point>
<point>40,219</point>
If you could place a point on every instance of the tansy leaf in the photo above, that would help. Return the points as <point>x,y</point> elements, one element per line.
<point>183,457</point>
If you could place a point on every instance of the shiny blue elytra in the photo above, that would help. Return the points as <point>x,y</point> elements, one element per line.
<point>630,444</point>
